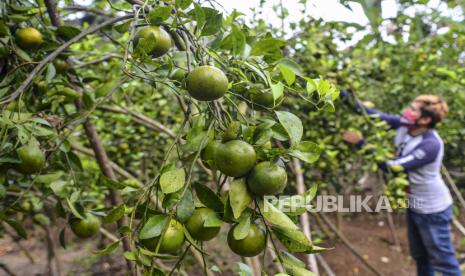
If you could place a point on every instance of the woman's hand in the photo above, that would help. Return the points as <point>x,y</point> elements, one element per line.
<point>352,137</point>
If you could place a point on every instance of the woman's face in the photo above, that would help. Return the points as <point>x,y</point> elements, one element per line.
<point>415,108</point>
<point>413,113</point>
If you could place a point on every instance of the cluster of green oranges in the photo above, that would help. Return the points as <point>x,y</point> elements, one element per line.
<point>234,158</point>
<point>231,156</point>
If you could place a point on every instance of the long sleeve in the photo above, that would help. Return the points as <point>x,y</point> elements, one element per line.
<point>394,121</point>
<point>426,152</point>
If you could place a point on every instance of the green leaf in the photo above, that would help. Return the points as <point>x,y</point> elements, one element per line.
<point>208,197</point>
<point>107,250</point>
<point>185,207</point>
<point>67,32</point>
<point>291,65</point>
<point>275,217</point>
<point>212,220</point>
<point>23,55</point>
<point>172,181</point>
<point>130,255</point>
<point>235,41</point>
<point>292,124</point>
<point>51,72</point>
<point>194,138</point>
<point>267,46</point>
<point>105,181</point>
<point>287,73</point>
<point>73,209</point>
<point>243,227</point>
<point>291,260</point>
<point>115,214</point>
<point>303,201</point>
<point>306,151</point>
<point>41,219</point>
<point>293,239</point>
<point>244,270</point>
<point>299,271</point>
<point>198,16</point>
<point>183,4</point>
<point>18,228</point>
<point>159,14</point>
<point>157,255</point>
<point>214,21</point>
<point>123,27</point>
<point>239,197</point>
<point>153,227</point>
<point>278,90</point>
<point>48,178</point>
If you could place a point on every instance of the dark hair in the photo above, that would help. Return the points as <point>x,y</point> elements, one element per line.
<point>432,115</point>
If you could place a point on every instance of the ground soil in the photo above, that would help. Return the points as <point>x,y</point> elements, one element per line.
<point>369,234</point>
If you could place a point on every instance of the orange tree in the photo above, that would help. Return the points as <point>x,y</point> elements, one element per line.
<point>124,120</point>
<point>397,59</point>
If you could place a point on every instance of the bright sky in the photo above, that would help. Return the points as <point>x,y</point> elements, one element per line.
<point>328,10</point>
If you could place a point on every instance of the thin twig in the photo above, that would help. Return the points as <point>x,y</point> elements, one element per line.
<point>55,53</point>
<point>453,186</point>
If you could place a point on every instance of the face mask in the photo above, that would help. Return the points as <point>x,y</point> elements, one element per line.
<point>408,118</point>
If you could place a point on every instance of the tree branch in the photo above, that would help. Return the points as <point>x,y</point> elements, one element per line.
<point>91,132</point>
<point>52,12</point>
<point>95,61</point>
<point>115,166</point>
<point>55,53</point>
<point>86,9</point>
<point>144,119</point>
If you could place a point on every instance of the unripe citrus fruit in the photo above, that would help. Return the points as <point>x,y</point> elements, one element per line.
<point>87,227</point>
<point>178,74</point>
<point>209,152</point>
<point>197,229</point>
<point>207,83</point>
<point>235,158</point>
<point>60,65</point>
<point>172,240</point>
<point>251,245</point>
<point>263,99</point>
<point>3,51</point>
<point>28,38</point>
<point>32,159</point>
<point>158,38</point>
<point>267,179</point>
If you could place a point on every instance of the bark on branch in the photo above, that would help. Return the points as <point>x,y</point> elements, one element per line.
<point>54,54</point>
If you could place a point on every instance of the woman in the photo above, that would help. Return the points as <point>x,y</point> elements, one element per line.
<point>420,151</point>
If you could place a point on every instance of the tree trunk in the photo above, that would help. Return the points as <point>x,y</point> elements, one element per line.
<point>304,218</point>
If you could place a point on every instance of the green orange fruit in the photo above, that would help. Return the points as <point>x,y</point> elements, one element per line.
<point>235,158</point>
<point>209,152</point>
<point>61,66</point>
<point>32,159</point>
<point>196,225</point>
<point>158,39</point>
<point>207,83</point>
<point>263,99</point>
<point>253,244</point>
<point>87,227</point>
<point>178,74</point>
<point>267,179</point>
<point>28,38</point>
<point>172,240</point>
